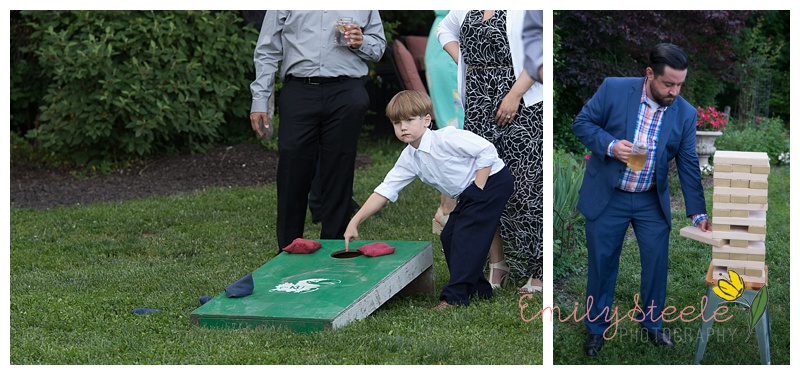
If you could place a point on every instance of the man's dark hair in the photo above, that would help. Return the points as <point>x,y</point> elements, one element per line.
<point>667,54</point>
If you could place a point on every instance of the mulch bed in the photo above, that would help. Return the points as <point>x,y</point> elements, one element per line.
<point>241,164</point>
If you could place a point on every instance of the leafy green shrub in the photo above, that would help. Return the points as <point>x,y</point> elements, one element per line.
<point>567,180</point>
<point>563,137</point>
<point>572,262</point>
<point>25,90</point>
<point>21,151</point>
<point>767,136</point>
<point>406,22</point>
<point>567,234</point>
<point>132,83</point>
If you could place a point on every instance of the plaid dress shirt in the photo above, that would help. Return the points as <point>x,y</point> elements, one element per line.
<point>648,126</point>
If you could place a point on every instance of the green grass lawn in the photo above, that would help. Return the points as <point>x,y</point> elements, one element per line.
<point>730,342</point>
<point>76,274</point>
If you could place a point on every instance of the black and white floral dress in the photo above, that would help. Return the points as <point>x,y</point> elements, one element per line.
<point>489,77</point>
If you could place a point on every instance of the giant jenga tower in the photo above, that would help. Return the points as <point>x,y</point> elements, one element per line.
<point>738,216</point>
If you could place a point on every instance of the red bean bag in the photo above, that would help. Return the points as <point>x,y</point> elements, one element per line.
<point>376,249</point>
<point>302,246</point>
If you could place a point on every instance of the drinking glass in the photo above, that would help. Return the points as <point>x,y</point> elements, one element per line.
<point>340,29</point>
<point>266,131</point>
<point>638,157</point>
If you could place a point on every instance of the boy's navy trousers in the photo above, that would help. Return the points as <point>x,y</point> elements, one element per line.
<point>468,234</point>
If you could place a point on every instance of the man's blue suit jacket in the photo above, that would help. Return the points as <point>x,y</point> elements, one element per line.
<point>611,114</point>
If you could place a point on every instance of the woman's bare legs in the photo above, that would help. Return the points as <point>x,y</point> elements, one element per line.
<point>446,206</point>
<point>498,268</point>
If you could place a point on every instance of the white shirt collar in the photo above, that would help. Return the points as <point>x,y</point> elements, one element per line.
<point>425,142</point>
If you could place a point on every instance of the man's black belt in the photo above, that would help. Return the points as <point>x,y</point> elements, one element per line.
<point>319,80</point>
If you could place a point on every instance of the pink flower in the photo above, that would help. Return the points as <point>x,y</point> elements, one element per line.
<point>586,157</point>
<point>710,119</point>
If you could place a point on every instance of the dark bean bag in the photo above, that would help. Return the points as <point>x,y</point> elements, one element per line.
<point>242,287</point>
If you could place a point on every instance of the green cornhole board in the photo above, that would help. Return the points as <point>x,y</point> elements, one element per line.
<point>313,292</point>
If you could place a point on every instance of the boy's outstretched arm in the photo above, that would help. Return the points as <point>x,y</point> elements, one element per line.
<point>373,204</point>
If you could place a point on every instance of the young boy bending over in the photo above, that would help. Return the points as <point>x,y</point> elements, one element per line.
<point>461,165</point>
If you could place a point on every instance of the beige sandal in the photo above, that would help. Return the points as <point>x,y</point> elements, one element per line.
<point>502,266</point>
<point>529,287</point>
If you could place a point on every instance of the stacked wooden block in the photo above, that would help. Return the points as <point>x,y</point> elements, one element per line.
<point>739,214</point>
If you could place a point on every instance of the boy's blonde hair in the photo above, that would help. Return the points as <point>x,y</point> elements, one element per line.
<point>407,104</point>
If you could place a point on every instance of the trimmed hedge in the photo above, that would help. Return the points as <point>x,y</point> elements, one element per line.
<point>769,135</point>
<point>133,83</point>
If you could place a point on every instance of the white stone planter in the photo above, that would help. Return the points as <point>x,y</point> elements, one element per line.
<point>705,146</point>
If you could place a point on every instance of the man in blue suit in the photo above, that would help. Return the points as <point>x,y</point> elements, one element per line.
<point>644,110</point>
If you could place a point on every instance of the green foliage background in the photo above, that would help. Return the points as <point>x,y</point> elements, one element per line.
<point>769,136</point>
<point>119,83</point>
<point>94,88</point>
<point>731,54</point>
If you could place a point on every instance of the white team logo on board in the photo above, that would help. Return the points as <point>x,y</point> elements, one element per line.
<point>304,286</point>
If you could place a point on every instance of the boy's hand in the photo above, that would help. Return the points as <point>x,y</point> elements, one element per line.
<point>370,207</point>
<point>482,176</point>
<point>350,234</point>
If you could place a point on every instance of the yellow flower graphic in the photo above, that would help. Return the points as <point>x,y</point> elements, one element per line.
<point>730,290</point>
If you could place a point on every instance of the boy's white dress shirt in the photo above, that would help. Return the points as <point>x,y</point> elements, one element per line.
<point>447,159</point>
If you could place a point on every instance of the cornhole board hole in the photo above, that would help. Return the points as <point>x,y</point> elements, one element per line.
<point>313,292</point>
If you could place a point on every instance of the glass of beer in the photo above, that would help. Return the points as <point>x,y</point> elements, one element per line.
<point>340,29</point>
<point>638,156</point>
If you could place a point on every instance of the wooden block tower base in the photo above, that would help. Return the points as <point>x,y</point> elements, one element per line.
<point>739,214</point>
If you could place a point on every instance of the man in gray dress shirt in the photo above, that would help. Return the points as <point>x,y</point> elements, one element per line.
<point>532,28</point>
<point>321,107</point>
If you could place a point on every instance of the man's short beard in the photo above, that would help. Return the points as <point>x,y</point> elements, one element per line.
<point>660,100</point>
